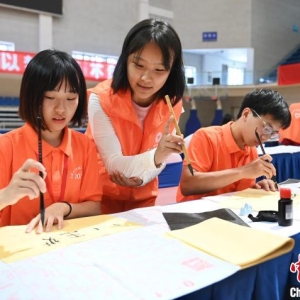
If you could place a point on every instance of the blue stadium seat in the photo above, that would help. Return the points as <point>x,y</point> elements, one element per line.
<point>16,101</point>
<point>8,101</point>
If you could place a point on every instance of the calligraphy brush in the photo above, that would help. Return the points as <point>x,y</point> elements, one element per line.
<point>264,152</point>
<point>40,154</point>
<point>178,132</point>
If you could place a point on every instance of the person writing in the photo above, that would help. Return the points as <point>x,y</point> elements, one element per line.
<point>225,158</point>
<point>52,88</point>
<point>129,118</point>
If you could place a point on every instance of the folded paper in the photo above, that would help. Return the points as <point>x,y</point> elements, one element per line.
<point>239,245</point>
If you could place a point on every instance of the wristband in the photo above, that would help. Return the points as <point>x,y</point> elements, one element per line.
<point>70,207</point>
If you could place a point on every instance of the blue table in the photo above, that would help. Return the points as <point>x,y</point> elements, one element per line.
<point>286,160</point>
<point>170,176</point>
<point>269,280</point>
<point>287,165</point>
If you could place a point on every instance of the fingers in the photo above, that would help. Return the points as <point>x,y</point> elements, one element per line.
<point>167,126</point>
<point>267,185</point>
<point>174,146</point>
<point>60,223</point>
<point>33,224</point>
<point>263,184</point>
<point>53,220</point>
<point>268,169</point>
<point>50,220</point>
<point>26,184</point>
<point>31,192</point>
<point>136,180</point>
<point>171,141</point>
<point>271,186</point>
<point>266,157</point>
<point>121,179</point>
<point>33,164</point>
<point>28,177</point>
<point>259,167</point>
<point>39,228</point>
<point>257,186</point>
<point>32,181</point>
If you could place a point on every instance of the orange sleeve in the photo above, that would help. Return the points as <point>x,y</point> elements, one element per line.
<point>5,167</point>
<point>200,151</point>
<point>5,157</point>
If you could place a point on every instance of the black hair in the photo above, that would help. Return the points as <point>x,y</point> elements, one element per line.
<point>45,71</point>
<point>267,101</point>
<point>227,118</point>
<point>165,37</point>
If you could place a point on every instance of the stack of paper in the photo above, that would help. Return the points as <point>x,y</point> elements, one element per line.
<point>240,245</point>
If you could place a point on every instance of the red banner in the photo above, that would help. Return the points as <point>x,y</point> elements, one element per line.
<point>15,63</point>
<point>289,74</point>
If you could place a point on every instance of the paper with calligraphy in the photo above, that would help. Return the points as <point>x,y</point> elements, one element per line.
<point>15,244</point>
<point>136,264</point>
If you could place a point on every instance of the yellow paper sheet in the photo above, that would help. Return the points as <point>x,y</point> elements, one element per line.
<point>15,244</point>
<point>258,199</point>
<point>239,245</point>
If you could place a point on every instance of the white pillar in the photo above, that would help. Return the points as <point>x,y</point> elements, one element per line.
<point>45,32</point>
<point>143,10</point>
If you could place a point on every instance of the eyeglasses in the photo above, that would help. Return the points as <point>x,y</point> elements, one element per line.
<point>267,129</point>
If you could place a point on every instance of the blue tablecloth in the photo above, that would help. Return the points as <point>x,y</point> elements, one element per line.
<point>170,175</point>
<point>269,280</point>
<point>287,165</point>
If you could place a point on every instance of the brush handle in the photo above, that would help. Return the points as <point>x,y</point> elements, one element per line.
<point>264,152</point>
<point>178,132</point>
<point>40,154</point>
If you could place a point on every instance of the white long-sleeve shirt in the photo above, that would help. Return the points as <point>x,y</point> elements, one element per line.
<point>109,147</point>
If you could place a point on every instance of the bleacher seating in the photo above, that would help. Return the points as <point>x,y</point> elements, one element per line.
<point>9,117</point>
<point>292,58</point>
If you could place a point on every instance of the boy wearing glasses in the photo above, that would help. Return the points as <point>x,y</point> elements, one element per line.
<point>225,159</point>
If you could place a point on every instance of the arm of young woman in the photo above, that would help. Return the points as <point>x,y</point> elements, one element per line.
<point>141,166</point>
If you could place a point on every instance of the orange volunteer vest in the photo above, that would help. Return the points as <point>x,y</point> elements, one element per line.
<point>132,138</point>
